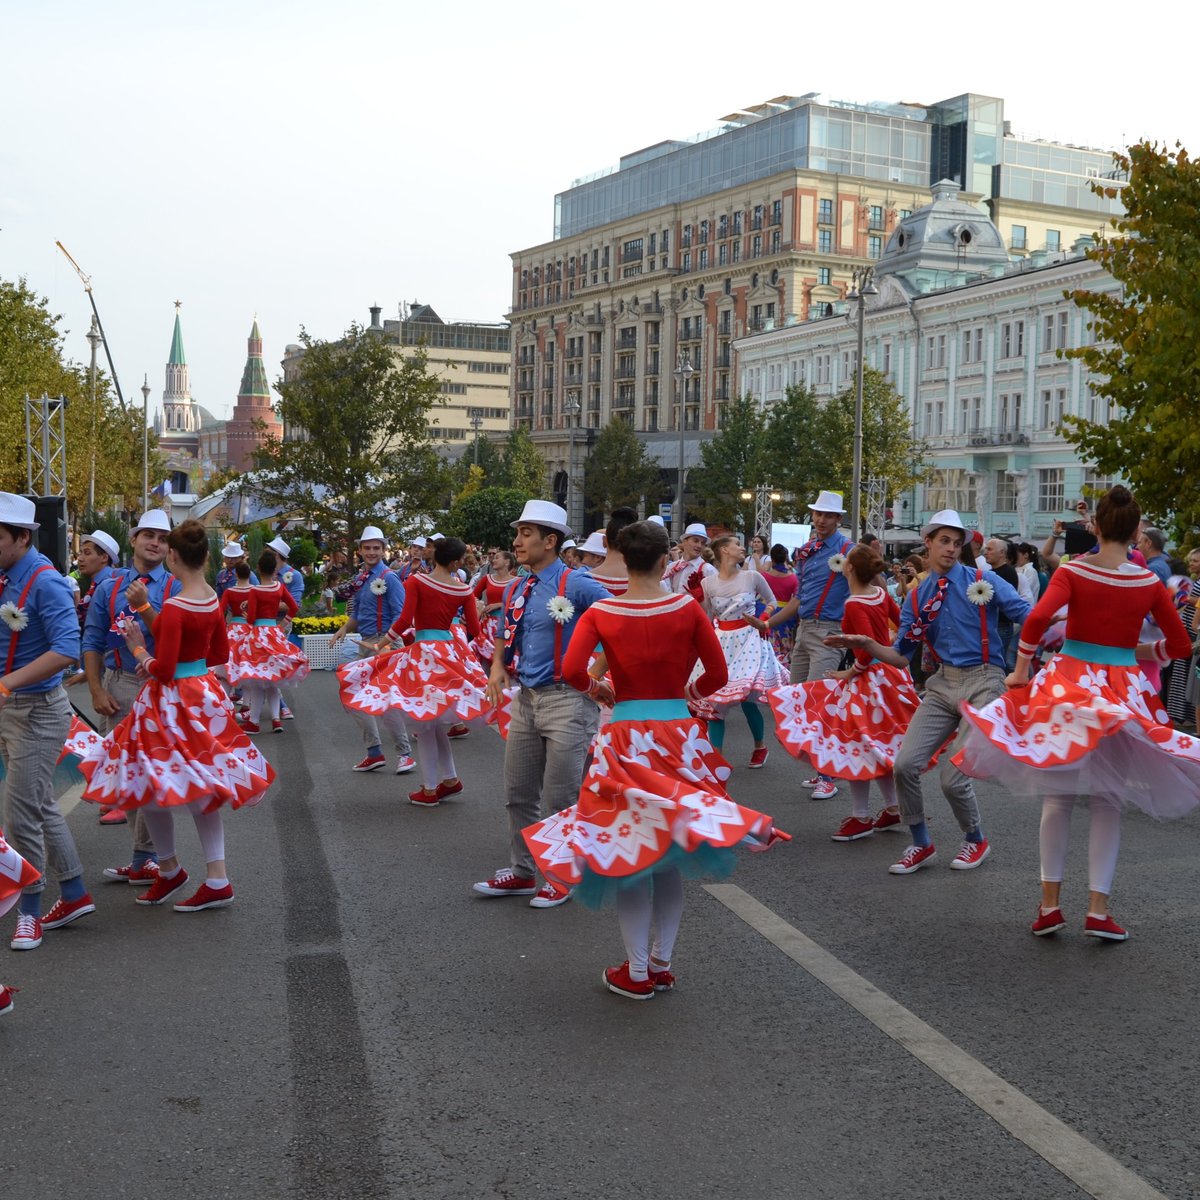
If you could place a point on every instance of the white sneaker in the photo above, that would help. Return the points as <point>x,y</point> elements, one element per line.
<point>406,764</point>
<point>548,896</point>
<point>825,789</point>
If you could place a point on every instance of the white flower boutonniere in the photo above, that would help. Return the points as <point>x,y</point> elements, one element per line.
<point>379,586</point>
<point>288,577</point>
<point>15,618</point>
<point>561,609</point>
<point>837,562</point>
<point>980,592</point>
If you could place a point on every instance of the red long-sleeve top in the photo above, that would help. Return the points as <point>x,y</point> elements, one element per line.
<point>650,647</point>
<point>235,602</point>
<point>870,614</point>
<point>268,598</point>
<point>491,591</point>
<point>187,631</point>
<point>431,604</point>
<point>1107,607</point>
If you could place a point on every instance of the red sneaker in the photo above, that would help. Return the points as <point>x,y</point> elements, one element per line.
<point>113,816</point>
<point>1104,927</point>
<point>758,757</point>
<point>851,829</point>
<point>276,726</point>
<point>423,799</point>
<point>1048,922</point>
<point>162,889</point>
<point>138,876</point>
<point>913,859</point>
<point>66,911</point>
<point>28,935</point>
<point>663,981</point>
<point>889,820</point>
<point>445,789</point>
<point>6,999</point>
<point>457,731</point>
<point>505,883</point>
<point>549,896</point>
<point>970,856</point>
<point>248,727</point>
<point>371,763</point>
<point>617,979</point>
<point>207,897</point>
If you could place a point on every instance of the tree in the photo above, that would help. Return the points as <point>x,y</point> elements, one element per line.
<point>788,460</point>
<point>484,517</point>
<point>729,463</point>
<point>364,413</point>
<point>217,480</point>
<point>619,471</point>
<point>1143,352</point>
<point>521,466</point>
<point>489,463</point>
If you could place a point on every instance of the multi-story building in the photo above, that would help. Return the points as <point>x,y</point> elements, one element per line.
<point>973,341</point>
<point>471,361</point>
<point>664,261</point>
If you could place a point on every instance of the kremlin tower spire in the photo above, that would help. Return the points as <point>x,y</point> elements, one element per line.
<point>254,422</point>
<point>179,416</point>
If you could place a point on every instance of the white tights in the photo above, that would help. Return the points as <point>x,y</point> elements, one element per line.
<point>209,827</point>
<point>262,695</point>
<point>1104,840</point>
<point>657,902</point>
<point>860,792</point>
<point>434,755</point>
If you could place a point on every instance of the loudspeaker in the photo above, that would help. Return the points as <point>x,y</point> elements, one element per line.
<point>51,513</point>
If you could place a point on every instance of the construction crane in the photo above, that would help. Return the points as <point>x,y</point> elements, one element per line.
<point>87,287</point>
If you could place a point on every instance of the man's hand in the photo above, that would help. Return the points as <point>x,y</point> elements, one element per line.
<point>337,636</point>
<point>137,595</point>
<point>105,703</point>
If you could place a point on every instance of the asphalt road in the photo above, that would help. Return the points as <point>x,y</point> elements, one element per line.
<point>360,1025</point>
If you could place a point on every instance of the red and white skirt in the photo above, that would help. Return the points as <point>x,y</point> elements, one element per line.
<point>851,728</point>
<point>754,671</point>
<point>1085,729</point>
<point>485,644</point>
<point>655,792</point>
<point>264,655</point>
<point>180,743</point>
<point>427,681</point>
<point>15,875</point>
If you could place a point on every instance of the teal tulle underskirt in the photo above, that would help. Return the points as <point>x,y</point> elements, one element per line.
<point>705,862</point>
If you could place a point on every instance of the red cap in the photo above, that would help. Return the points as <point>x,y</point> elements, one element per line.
<point>977,538</point>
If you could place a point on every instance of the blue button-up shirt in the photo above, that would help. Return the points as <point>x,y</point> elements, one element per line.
<point>956,634</point>
<point>53,623</point>
<point>296,584</point>
<point>813,574</point>
<point>100,614</point>
<point>373,613</point>
<point>1161,566</point>
<point>536,632</point>
<point>227,578</point>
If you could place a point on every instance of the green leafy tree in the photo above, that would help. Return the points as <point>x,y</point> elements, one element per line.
<point>521,466</point>
<point>788,460</point>
<point>489,464</point>
<point>729,463</point>
<point>619,471</point>
<point>217,480</point>
<point>1143,354</point>
<point>484,517</point>
<point>364,414</point>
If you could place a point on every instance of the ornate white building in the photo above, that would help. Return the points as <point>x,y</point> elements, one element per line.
<point>972,337</point>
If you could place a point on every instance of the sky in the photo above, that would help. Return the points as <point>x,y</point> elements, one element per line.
<point>298,162</point>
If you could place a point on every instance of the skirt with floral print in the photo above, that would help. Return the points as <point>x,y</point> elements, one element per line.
<point>15,875</point>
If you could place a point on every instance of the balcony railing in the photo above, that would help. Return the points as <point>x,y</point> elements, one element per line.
<point>625,373</point>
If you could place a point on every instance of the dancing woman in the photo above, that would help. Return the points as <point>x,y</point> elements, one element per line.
<point>1091,723</point>
<point>180,744</point>
<point>654,800</point>
<point>489,593</point>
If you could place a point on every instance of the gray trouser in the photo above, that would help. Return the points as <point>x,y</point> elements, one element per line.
<point>392,721</point>
<point>33,728</point>
<point>544,755</point>
<point>937,719</point>
<point>123,687</point>
<point>811,658</point>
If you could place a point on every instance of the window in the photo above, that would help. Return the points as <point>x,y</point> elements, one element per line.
<point>686,240</point>
<point>722,254</point>
<point>821,368</point>
<point>722,227</point>
<point>1055,328</point>
<point>756,246</point>
<point>736,256</point>
<point>935,351</point>
<point>737,222</point>
<point>1095,484</point>
<point>874,246</point>
<point>1051,497</point>
<point>951,487</point>
<point>1099,408</point>
<point>632,250</point>
<point>1006,492</point>
<point>1017,241</point>
<point>935,417</point>
<point>972,345</point>
<point>885,358</point>
<point>970,414</point>
<point>1053,239</point>
<point>653,247</point>
<point>876,217</point>
<point>824,276</point>
<point>704,233</point>
<point>776,212</point>
<point>825,212</point>
<point>775,241</point>
<point>757,220</point>
<point>687,259</point>
<point>1062,331</point>
<point>824,241</point>
<point>905,213</point>
<point>1053,407</point>
<point>1010,410</point>
<point>666,241</point>
<point>1012,339</point>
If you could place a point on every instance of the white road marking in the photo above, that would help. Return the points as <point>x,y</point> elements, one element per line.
<point>1079,1160</point>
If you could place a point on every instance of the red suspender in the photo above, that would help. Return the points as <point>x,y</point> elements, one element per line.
<point>12,641</point>
<point>558,628</point>
<point>824,594</point>
<point>982,620</point>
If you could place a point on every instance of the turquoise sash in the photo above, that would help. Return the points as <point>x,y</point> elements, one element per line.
<point>263,622</point>
<point>190,670</point>
<point>1105,656</point>
<point>239,621</point>
<point>433,635</point>
<point>651,710</point>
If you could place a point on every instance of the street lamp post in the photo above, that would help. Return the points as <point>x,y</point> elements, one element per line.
<point>145,443</point>
<point>683,373</point>
<point>571,409</point>
<point>95,337</point>
<point>861,286</point>
<point>476,422</point>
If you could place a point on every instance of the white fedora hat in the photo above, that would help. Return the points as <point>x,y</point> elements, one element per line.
<point>542,512</point>
<point>657,520</point>
<point>154,518</point>
<point>828,502</point>
<point>233,550</point>
<point>17,511</point>
<point>280,546</point>
<point>372,533</point>
<point>594,544</point>
<point>419,542</point>
<point>105,542</point>
<point>946,518</point>
<point>437,537</point>
<point>696,529</point>
<point>569,544</point>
